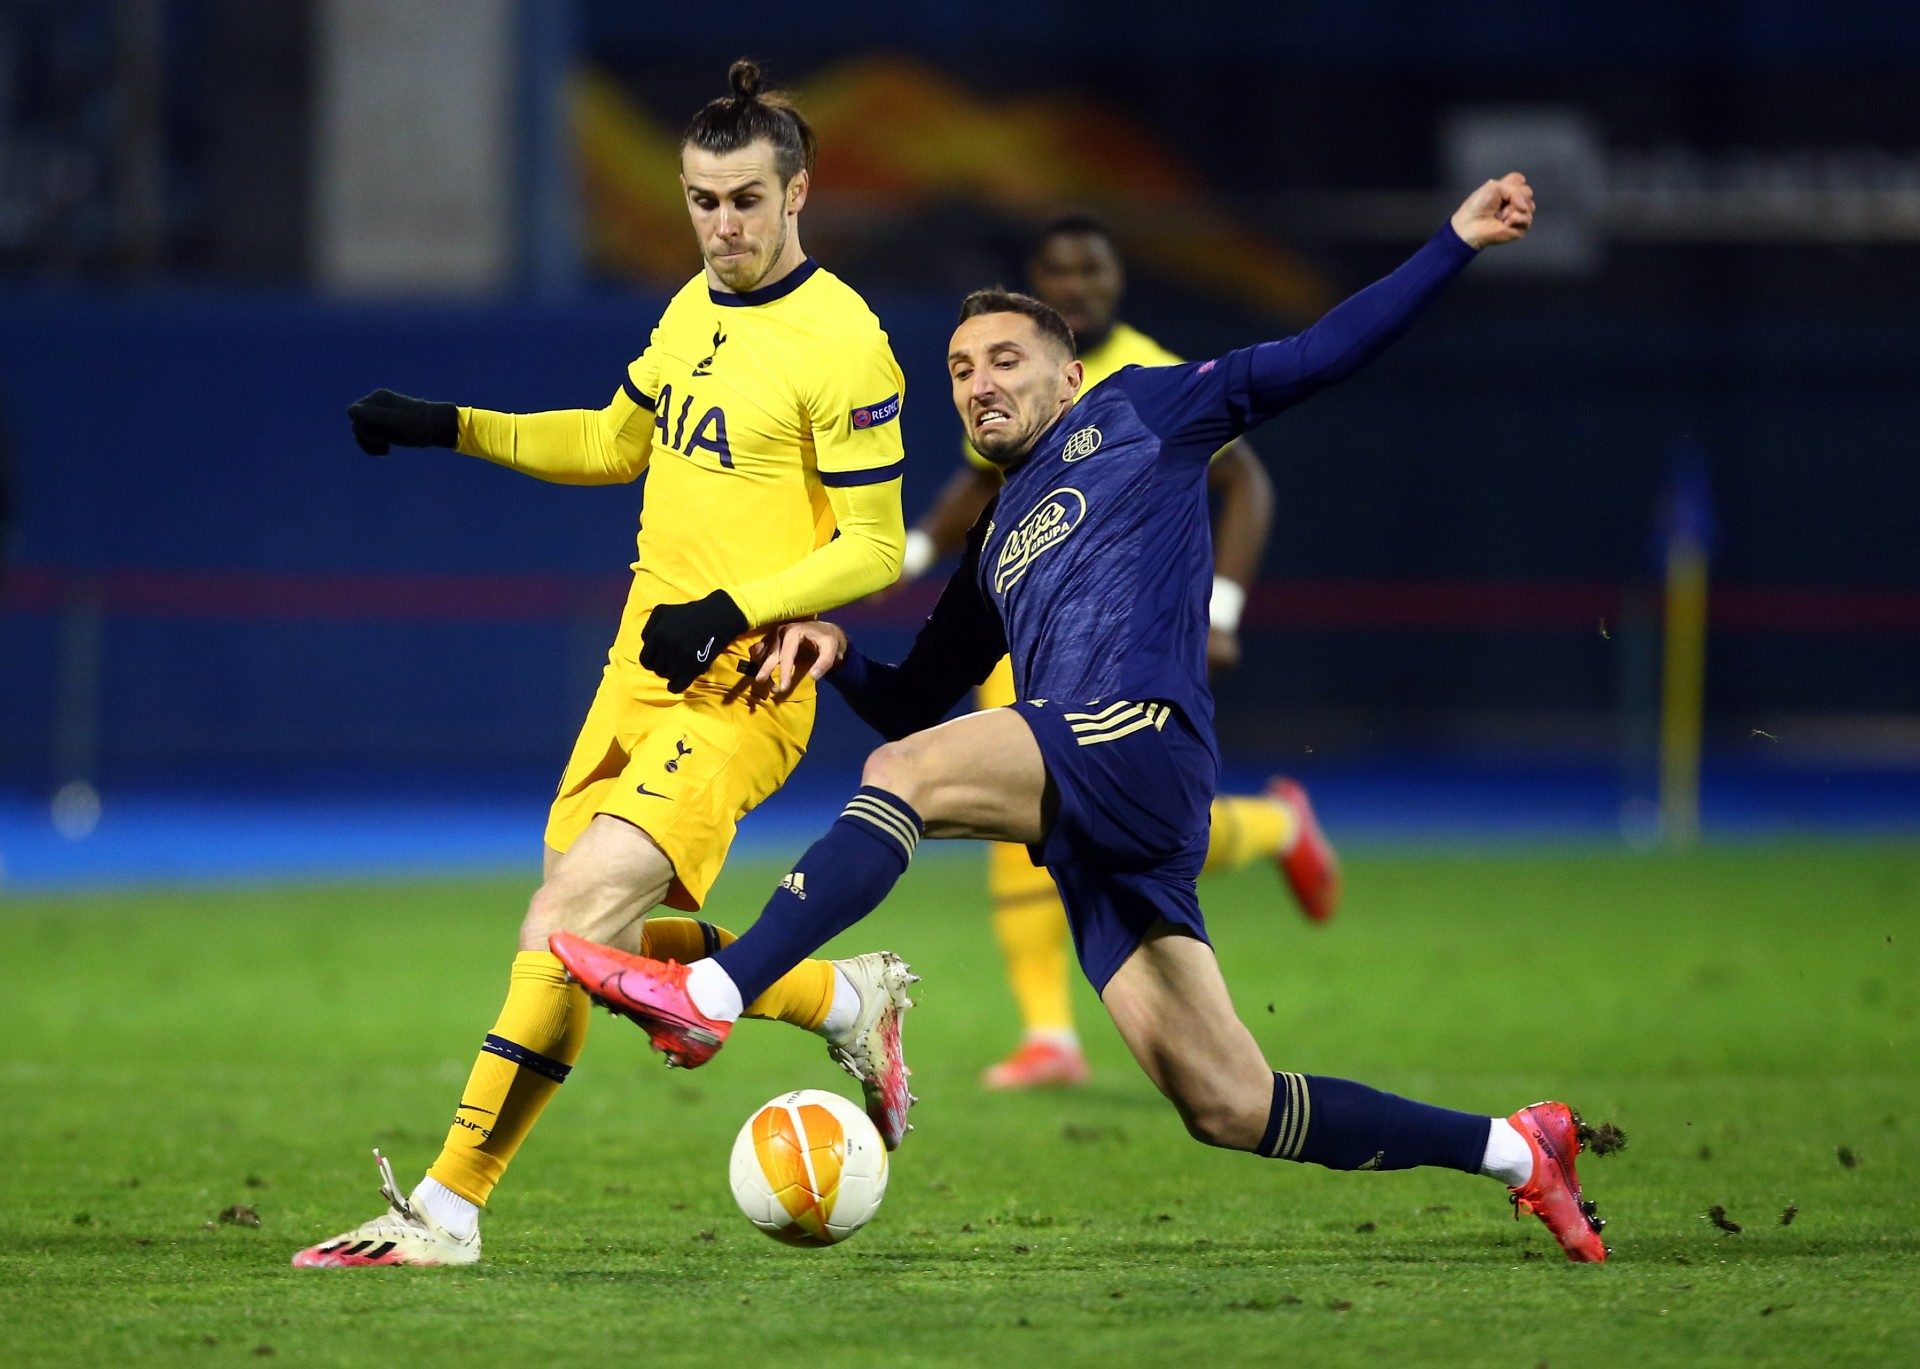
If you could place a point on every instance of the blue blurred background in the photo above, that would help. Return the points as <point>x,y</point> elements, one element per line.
<point>230,644</point>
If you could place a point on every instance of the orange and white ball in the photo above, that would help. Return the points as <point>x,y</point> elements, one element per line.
<point>809,1168</point>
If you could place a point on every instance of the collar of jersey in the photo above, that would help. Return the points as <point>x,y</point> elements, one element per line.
<point>766,294</point>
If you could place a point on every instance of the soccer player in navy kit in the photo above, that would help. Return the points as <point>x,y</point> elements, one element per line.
<point>1092,570</point>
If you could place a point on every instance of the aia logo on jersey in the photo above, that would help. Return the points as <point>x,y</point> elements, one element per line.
<point>1049,523</point>
<point>1081,445</point>
<point>873,415</point>
<point>709,433</point>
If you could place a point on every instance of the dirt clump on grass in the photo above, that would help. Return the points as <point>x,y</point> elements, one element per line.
<point>1717,1214</point>
<point>1604,1139</point>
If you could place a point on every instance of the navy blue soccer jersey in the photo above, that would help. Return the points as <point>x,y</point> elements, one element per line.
<point>1098,556</point>
<point>1093,565</point>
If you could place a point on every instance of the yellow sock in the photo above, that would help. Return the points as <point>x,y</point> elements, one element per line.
<point>1245,828</point>
<point>1031,927</point>
<point>527,1055</point>
<point>801,996</point>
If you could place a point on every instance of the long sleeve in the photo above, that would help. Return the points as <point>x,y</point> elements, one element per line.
<point>864,558</point>
<point>1355,331</point>
<point>1198,407</point>
<point>607,446</point>
<point>958,647</point>
<point>852,402</point>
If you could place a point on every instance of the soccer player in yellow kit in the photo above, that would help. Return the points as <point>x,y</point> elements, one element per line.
<point>1076,268</point>
<point>764,412</point>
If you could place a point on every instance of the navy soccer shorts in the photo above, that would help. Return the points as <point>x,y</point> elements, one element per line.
<point>1135,784</point>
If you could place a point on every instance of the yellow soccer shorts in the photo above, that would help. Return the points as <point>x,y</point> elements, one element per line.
<point>683,768</point>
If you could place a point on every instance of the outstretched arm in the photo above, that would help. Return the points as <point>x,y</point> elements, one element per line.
<point>1356,331</point>
<point>608,446</point>
<point>1196,408</point>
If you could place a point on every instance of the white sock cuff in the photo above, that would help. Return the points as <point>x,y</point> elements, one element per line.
<point>845,1010</point>
<point>458,1217</point>
<point>713,991</point>
<point>1509,1158</point>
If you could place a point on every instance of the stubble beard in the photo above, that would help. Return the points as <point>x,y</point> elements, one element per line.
<point>761,270</point>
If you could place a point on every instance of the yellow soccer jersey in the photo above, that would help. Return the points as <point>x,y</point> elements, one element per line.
<point>761,402</point>
<point>766,421</point>
<point>1124,345</point>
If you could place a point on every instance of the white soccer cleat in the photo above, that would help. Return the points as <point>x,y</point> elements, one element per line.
<point>869,1050</point>
<point>404,1234</point>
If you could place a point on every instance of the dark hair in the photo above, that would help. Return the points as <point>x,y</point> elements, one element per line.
<point>1000,300</point>
<point>751,114</point>
<point>1078,223</point>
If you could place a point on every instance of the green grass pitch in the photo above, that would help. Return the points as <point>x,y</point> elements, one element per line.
<point>1747,1015</point>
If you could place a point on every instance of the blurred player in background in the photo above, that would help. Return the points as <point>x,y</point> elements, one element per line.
<point>1091,571</point>
<point>1075,267</point>
<point>765,411</point>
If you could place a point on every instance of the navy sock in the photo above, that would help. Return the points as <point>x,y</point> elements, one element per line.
<point>1344,1125</point>
<point>842,877</point>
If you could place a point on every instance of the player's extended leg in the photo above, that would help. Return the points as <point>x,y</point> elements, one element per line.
<point>979,776</point>
<point>1280,826</point>
<point>606,881</point>
<point>602,889</point>
<point>1172,1007</point>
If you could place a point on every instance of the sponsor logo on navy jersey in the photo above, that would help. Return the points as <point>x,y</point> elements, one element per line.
<point>1081,445</point>
<point>873,415</point>
<point>1047,524</point>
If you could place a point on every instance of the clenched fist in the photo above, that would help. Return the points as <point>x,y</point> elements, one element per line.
<point>1498,212</point>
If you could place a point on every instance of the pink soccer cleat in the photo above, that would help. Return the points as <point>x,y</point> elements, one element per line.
<point>1039,1063</point>
<point>652,993</point>
<point>1309,866</point>
<point>1553,1193</point>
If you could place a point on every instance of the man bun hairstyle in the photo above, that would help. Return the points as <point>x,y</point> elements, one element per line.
<point>751,114</point>
<point>1000,300</point>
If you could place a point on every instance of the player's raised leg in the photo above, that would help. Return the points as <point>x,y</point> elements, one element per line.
<point>855,1004</point>
<point>1172,1007</point>
<point>977,776</point>
<point>1278,825</point>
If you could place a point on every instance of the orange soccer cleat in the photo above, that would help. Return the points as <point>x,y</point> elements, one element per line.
<point>1553,1195</point>
<point>653,993</point>
<point>1309,866</point>
<point>1039,1063</point>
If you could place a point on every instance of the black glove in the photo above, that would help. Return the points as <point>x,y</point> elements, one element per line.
<point>680,641</point>
<point>386,419</point>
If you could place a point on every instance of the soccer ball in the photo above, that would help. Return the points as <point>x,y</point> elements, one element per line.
<point>809,1168</point>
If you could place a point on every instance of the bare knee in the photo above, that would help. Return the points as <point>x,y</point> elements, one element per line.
<point>900,769</point>
<point>586,909</point>
<point>547,912</point>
